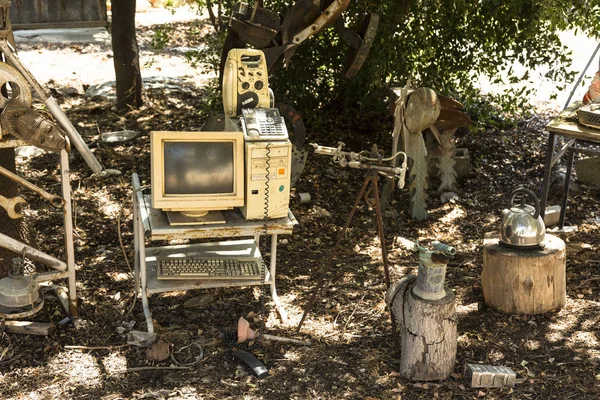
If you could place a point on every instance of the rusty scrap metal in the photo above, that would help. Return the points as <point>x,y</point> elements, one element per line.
<point>371,178</point>
<point>53,107</point>
<point>11,77</point>
<point>56,201</point>
<point>298,17</point>
<point>279,38</point>
<point>361,43</point>
<point>372,161</point>
<point>327,17</point>
<point>21,248</point>
<point>23,122</point>
<point>293,117</point>
<point>257,26</point>
<point>10,205</point>
<point>366,160</point>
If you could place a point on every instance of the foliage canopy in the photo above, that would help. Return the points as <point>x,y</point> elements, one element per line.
<point>447,45</point>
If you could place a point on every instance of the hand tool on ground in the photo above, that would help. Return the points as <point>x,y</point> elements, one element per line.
<point>10,205</point>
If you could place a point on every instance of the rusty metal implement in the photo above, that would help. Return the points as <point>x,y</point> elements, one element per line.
<point>10,205</point>
<point>56,201</point>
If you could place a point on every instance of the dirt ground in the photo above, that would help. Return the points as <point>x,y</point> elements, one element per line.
<point>352,352</point>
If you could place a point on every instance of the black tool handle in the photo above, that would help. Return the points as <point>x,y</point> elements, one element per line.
<point>257,367</point>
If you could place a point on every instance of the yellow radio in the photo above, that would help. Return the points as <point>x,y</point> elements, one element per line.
<point>245,81</point>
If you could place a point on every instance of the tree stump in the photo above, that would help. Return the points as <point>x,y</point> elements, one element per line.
<point>427,332</point>
<point>524,281</point>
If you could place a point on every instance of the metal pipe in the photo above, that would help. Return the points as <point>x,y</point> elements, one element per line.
<point>74,136</point>
<point>54,108</point>
<point>63,298</point>
<point>444,248</point>
<point>21,248</point>
<point>329,15</point>
<point>576,85</point>
<point>50,276</point>
<point>138,235</point>
<point>69,240</point>
<point>272,268</point>
<point>323,271</point>
<point>56,201</point>
<point>136,249</point>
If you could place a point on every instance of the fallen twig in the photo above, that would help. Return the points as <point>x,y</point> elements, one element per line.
<point>121,241</point>
<point>138,369</point>
<point>351,315</point>
<point>285,339</point>
<point>96,347</point>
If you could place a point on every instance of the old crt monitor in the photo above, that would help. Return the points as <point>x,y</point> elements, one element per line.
<point>195,175</point>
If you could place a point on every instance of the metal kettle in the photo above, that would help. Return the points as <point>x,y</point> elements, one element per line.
<point>522,225</point>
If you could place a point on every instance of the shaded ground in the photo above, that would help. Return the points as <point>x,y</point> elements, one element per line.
<point>352,352</point>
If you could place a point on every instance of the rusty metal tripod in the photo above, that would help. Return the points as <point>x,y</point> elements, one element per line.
<point>373,178</point>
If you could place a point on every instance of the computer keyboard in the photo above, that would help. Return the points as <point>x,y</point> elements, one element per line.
<point>209,268</point>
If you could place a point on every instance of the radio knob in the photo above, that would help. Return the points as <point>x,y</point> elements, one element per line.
<point>259,85</point>
<point>245,85</point>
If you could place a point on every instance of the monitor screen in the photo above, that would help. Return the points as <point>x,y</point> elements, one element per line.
<point>198,167</point>
<point>195,172</point>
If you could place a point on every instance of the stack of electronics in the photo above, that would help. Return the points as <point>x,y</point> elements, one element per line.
<point>589,115</point>
<point>197,175</point>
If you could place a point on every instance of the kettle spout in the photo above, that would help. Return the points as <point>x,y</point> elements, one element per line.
<point>505,212</point>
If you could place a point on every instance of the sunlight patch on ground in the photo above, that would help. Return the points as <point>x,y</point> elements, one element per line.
<point>118,276</point>
<point>467,309</point>
<point>371,249</point>
<point>495,356</point>
<point>107,207</point>
<point>405,243</point>
<point>584,339</point>
<point>80,369</point>
<point>176,293</point>
<point>571,327</point>
<point>533,345</point>
<point>322,327</point>
<point>292,356</point>
<point>560,329</point>
<point>114,362</point>
<point>453,215</point>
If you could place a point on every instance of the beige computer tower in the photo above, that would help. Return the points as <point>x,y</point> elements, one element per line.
<point>267,195</point>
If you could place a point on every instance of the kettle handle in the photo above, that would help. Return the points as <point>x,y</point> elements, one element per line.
<point>531,195</point>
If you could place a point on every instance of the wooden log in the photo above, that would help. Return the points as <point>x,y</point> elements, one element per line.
<point>29,328</point>
<point>524,281</point>
<point>427,332</point>
<point>394,297</point>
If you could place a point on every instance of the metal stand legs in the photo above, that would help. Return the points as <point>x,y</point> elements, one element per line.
<point>372,177</point>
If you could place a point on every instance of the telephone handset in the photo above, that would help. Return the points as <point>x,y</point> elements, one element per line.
<point>245,81</point>
<point>263,124</point>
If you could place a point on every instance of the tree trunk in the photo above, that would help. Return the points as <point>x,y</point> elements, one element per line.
<point>126,55</point>
<point>524,281</point>
<point>10,227</point>
<point>428,338</point>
